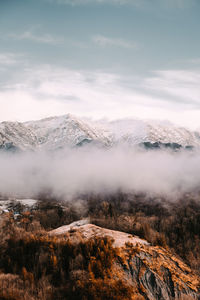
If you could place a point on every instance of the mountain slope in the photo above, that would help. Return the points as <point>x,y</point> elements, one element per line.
<point>58,132</point>
<point>15,134</point>
<point>69,131</point>
<point>136,132</point>
<point>147,271</point>
<point>87,262</point>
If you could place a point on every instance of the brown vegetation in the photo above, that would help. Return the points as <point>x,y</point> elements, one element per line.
<point>35,265</point>
<point>175,225</point>
<point>55,268</point>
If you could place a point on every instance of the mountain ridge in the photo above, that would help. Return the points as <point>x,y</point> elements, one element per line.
<point>58,132</point>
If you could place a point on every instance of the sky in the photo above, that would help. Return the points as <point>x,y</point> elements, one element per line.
<point>110,59</point>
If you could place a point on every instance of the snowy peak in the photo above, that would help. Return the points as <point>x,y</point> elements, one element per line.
<point>17,135</point>
<point>69,131</point>
<point>137,132</point>
<point>172,134</point>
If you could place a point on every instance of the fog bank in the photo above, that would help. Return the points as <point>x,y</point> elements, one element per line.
<point>72,172</point>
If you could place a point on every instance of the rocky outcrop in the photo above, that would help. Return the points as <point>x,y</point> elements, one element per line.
<point>151,272</point>
<point>157,280</point>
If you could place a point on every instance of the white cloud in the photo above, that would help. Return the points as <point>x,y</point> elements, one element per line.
<point>109,170</point>
<point>104,41</point>
<point>43,38</point>
<point>182,85</point>
<point>8,59</point>
<point>46,38</point>
<point>47,91</point>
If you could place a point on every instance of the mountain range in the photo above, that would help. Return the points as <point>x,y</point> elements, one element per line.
<point>70,131</point>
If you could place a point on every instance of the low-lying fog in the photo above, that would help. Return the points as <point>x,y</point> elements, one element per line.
<point>84,170</point>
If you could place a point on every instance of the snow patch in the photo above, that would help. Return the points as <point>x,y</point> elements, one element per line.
<point>89,231</point>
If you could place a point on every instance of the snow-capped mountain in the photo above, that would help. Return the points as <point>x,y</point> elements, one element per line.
<point>70,131</point>
<point>138,131</point>
<point>52,133</point>
<point>14,134</point>
<point>67,130</point>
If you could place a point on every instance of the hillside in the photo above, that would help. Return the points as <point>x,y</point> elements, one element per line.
<point>151,272</point>
<point>122,248</point>
<point>89,262</point>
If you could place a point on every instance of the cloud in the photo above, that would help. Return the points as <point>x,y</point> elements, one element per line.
<point>85,2</point>
<point>167,4</point>
<point>180,4</point>
<point>104,41</point>
<point>8,59</point>
<point>43,38</point>
<point>182,85</point>
<point>46,38</point>
<point>193,61</point>
<point>73,172</point>
<point>38,92</point>
<point>45,91</point>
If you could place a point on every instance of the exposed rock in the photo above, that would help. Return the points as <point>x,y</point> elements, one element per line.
<point>152,272</point>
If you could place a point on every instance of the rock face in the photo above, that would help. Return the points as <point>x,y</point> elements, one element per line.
<point>150,272</point>
<point>159,275</point>
<point>70,131</point>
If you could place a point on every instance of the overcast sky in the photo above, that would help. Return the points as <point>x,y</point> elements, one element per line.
<point>100,58</point>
